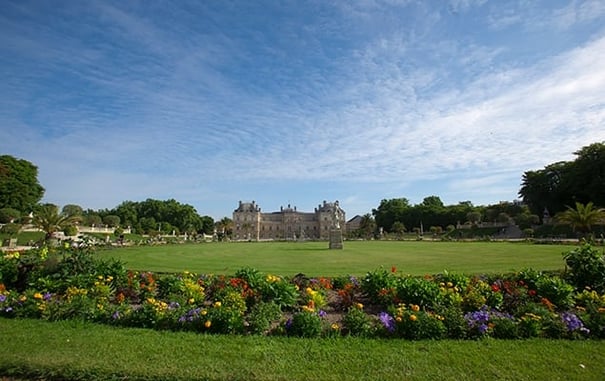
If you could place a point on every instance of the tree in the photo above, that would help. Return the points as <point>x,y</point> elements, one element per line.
<point>72,210</point>
<point>19,187</point>
<point>567,182</point>
<point>398,228</point>
<point>48,219</point>
<point>367,226</point>
<point>582,217</point>
<point>473,217</point>
<point>224,227</point>
<point>111,220</point>
<point>207,224</point>
<point>390,211</point>
<point>9,215</point>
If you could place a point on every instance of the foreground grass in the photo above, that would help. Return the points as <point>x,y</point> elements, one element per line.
<point>357,257</point>
<point>78,351</point>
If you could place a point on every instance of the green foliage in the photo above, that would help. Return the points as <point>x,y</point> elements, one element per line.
<point>358,323</point>
<point>19,186</point>
<point>380,285</point>
<point>304,324</point>
<point>420,291</point>
<point>10,229</point>
<point>70,230</point>
<point>48,219</point>
<point>586,266</point>
<point>557,291</point>
<point>413,323</point>
<point>564,183</point>
<point>8,215</point>
<point>262,316</point>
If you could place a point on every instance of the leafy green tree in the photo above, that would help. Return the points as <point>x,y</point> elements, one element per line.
<point>207,225</point>
<point>473,217</point>
<point>588,174</point>
<point>567,182</point>
<point>72,210</point>
<point>19,186</point>
<point>367,226</point>
<point>224,227</point>
<point>111,220</point>
<point>8,215</point>
<point>48,219</point>
<point>390,211</point>
<point>90,218</point>
<point>398,228</point>
<point>583,217</point>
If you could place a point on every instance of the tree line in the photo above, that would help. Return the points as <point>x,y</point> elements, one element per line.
<point>557,189</point>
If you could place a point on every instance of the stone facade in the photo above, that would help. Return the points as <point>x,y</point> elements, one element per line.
<point>250,223</point>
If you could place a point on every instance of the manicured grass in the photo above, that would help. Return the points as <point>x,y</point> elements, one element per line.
<point>78,351</point>
<point>357,257</point>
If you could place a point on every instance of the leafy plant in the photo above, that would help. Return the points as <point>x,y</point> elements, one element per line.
<point>304,324</point>
<point>586,267</point>
<point>261,316</point>
<point>358,323</point>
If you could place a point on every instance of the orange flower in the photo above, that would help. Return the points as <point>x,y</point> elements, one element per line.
<point>413,317</point>
<point>415,307</point>
<point>207,324</point>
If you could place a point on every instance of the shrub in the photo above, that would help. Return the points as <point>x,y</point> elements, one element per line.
<point>557,291</point>
<point>261,316</point>
<point>358,323</point>
<point>304,324</point>
<point>586,268</point>
<point>418,291</point>
<point>380,285</point>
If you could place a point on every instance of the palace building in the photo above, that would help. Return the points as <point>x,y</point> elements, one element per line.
<point>249,223</point>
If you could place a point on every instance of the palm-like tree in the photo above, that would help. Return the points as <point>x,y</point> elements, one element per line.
<point>48,219</point>
<point>582,217</point>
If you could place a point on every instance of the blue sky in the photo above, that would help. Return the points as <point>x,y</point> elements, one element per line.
<point>296,102</point>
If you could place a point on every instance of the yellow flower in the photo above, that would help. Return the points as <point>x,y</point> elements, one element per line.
<point>109,278</point>
<point>191,301</point>
<point>37,295</point>
<point>207,324</point>
<point>413,317</point>
<point>335,327</point>
<point>204,312</point>
<point>359,306</point>
<point>217,303</point>
<point>450,284</point>
<point>310,291</point>
<point>22,298</point>
<point>398,319</point>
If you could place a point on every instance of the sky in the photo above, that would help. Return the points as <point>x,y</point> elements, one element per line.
<point>297,102</point>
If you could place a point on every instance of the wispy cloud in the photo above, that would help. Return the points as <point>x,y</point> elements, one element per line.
<point>211,103</point>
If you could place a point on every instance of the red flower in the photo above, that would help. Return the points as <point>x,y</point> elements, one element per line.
<point>495,287</point>
<point>531,292</point>
<point>393,269</point>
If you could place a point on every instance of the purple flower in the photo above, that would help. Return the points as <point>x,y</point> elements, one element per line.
<point>115,315</point>
<point>288,323</point>
<point>354,281</point>
<point>387,321</point>
<point>173,305</point>
<point>322,313</point>
<point>573,322</point>
<point>8,309</point>
<point>47,296</point>
<point>2,298</point>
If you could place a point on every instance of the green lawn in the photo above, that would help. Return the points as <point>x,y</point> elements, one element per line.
<point>35,349</point>
<point>357,257</point>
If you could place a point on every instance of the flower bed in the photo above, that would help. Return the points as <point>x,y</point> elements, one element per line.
<point>69,283</point>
